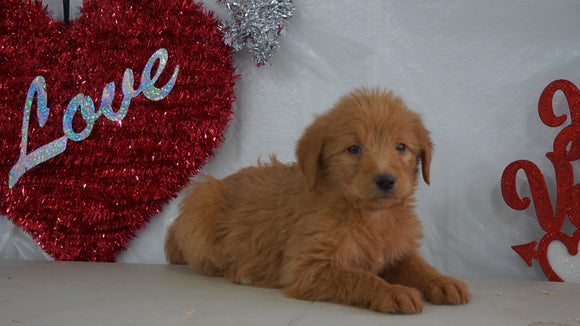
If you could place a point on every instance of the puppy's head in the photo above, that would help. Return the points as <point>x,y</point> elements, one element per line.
<point>368,148</point>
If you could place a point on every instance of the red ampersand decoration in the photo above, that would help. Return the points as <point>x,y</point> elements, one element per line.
<point>566,150</point>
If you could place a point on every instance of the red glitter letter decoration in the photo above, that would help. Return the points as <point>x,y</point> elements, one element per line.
<point>566,150</point>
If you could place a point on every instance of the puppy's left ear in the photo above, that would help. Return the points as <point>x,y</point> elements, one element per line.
<point>308,154</point>
<point>426,149</point>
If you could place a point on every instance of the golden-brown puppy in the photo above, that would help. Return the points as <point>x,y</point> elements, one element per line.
<point>337,226</point>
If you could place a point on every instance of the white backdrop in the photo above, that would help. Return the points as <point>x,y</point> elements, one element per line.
<point>473,69</point>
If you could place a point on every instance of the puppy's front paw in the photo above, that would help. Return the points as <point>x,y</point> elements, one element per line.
<point>401,300</point>
<point>447,290</point>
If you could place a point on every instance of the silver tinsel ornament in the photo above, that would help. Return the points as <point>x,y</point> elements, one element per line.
<point>256,24</point>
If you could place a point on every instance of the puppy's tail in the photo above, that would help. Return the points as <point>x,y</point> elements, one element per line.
<point>172,251</point>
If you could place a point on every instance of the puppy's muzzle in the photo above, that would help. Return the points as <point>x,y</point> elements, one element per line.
<point>385,182</point>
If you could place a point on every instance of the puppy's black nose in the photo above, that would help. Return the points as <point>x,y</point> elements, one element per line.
<point>385,182</point>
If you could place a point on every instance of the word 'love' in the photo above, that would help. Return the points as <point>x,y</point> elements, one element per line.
<point>87,108</point>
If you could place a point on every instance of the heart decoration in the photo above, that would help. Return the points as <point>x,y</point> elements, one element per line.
<point>566,266</point>
<point>557,254</point>
<point>104,119</point>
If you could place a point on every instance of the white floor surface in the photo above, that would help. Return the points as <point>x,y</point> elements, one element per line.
<point>87,294</point>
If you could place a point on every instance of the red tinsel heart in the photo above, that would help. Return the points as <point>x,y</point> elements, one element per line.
<point>87,202</point>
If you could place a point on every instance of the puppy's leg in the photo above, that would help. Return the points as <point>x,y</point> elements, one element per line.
<point>334,283</point>
<point>436,288</point>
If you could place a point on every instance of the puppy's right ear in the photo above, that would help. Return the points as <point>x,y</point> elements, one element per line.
<point>308,154</point>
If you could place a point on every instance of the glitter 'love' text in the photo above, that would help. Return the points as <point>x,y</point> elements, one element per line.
<point>87,108</point>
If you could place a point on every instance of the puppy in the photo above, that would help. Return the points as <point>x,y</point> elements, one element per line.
<point>336,226</point>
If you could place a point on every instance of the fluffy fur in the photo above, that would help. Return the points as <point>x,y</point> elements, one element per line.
<point>337,226</point>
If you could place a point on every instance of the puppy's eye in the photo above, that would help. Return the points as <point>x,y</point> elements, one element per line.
<point>354,149</point>
<point>401,147</point>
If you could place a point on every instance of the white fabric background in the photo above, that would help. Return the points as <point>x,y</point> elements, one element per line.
<point>473,69</point>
